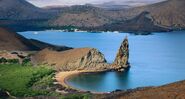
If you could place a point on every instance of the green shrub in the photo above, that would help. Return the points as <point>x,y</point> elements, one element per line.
<point>9,61</point>
<point>26,62</point>
<point>15,79</point>
<point>13,61</point>
<point>38,75</point>
<point>2,60</point>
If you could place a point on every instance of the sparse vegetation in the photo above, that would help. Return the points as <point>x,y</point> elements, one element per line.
<point>9,61</point>
<point>24,81</point>
<point>26,62</point>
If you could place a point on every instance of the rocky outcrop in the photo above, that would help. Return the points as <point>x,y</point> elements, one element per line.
<point>83,59</point>
<point>121,62</point>
<point>75,59</point>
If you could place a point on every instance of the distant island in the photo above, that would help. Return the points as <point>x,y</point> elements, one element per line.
<point>159,17</point>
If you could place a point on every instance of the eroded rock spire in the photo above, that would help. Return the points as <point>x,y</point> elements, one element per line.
<point>121,61</point>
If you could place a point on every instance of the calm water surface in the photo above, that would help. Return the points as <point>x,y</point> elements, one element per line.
<point>155,59</point>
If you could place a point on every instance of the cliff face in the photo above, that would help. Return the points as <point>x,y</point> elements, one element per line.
<point>121,61</point>
<point>75,59</point>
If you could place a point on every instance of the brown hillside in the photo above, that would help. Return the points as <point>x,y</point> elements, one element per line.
<point>74,59</point>
<point>82,16</point>
<point>168,13</point>
<point>12,41</point>
<point>170,91</point>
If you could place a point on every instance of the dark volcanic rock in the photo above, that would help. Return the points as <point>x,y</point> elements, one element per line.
<point>121,61</point>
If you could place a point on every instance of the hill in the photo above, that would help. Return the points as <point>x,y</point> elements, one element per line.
<point>11,41</point>
<point>168,91</point>
<point>22,10</point>
<point>141,23</point>
<point>81,16</point>
<point>167,14</point>
<point>20,15</point>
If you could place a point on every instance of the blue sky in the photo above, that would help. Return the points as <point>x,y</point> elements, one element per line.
<point>42,3</point>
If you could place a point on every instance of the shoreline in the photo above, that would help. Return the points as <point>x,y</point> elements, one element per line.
<point>62,77</point>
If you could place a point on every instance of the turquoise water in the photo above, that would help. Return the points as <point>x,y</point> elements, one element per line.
<point>155,59</point>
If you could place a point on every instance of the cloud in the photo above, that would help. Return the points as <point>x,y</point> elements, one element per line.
<point>42,3</point>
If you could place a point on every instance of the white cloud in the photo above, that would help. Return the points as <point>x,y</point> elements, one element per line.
<point>81,2</point>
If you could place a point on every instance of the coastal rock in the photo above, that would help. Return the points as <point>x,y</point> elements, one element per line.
<point>121,61</point>
<point>80,59</point>
<point>70,60</point>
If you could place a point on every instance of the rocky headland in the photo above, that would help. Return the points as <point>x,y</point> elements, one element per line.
<point>61,58</point>
<point>70,60</point>
<point>78,59</point>
<point>15,48</point>
<point>66,60</point>
<point>81,60</point>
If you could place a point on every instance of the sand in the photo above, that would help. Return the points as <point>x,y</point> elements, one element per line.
<point>62,78</point>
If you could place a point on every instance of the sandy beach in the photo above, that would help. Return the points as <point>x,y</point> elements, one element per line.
<point>62,77</point>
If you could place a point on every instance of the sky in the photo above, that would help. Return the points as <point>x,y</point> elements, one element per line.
<point>42,3</point>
